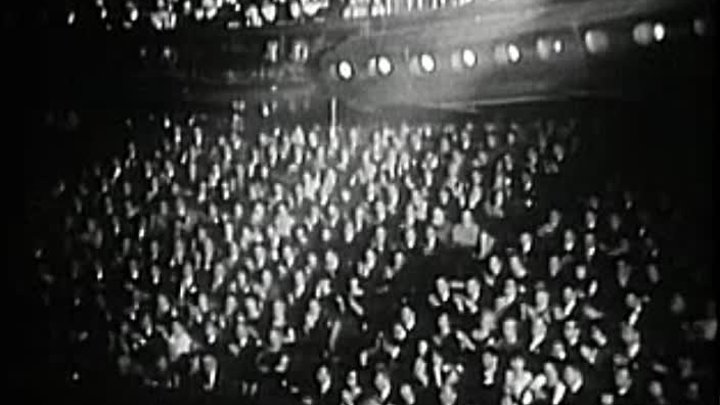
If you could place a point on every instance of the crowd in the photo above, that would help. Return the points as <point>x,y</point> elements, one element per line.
<point>372,264</point>
<point>168,15</point>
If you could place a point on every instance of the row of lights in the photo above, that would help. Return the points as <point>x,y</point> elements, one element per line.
<point>596,42</point>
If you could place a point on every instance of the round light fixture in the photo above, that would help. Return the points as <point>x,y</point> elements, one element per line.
<point>427,63</point>
<point>596,41</point>
<point>384,65</point>
<point>659,32</point>
<point>513,53</point>
<point>345,70</point>
<point>643,34</point>
<point>469,58</point>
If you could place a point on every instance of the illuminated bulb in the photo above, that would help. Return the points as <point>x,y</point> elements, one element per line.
<point>427,63</point>
<point>659,32</point>
<point>71,18</point>
<point>345,70</point>
<point>469,58</point>
<point>513,53</point>
<point>557,46</point>
<point>699,27</point>
<point>384,65</point>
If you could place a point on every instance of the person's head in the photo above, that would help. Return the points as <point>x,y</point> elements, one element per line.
<point>615,221</point>
<point>568,294</point>
<point>438,216</point>
<point>448,395</point>
<point>653,274</point>
<point>331,261</point>
<point>581,271</point>
<point>381,381</point>
<point>655,389</point>
<point>526,240</point>
<point>489,360</point>
<point>314,307</point>
<point>517,363</point>
<point>322,375</point>
<point>571,331</point>
<point>572,374</point>
<point>488,319</point>
<point>538,327</point>
<point>622,377</point>
<point>443,323</point>
<point>551,373</point>
<point>495,264</point>
<point>554,217</point>
<point>510,288</point>
<point>467,218</point>
<point>632,301</point>
<point>472,287</point>
<point>278,308</point>
<point>312,260</point>
<point>209,363</point>
<point>542,298</point>
<point>441,286</point>
<point>399,333</point>
<point>430,233</point>
<point>557,349</point>
<point>590,219</point>
<point>407,394</point>
<point>275,338</point>
<point>629,334</point>
<point>349,231</point>
<point>554,264</point>
<point>569,236</point>
<point>177,327</point>
<point>678,303</point>
<point>510,328</point>
<point>422,347</point>
<point>589,240</point>
<point>407,316</point>
<point>351,379</point>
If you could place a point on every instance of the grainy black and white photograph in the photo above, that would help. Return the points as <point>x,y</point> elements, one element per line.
<point>361,202</point>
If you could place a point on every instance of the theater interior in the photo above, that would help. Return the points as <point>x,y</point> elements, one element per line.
<point>356,202</point>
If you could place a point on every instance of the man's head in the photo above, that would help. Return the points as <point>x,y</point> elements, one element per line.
<point>381,381</point>
<point>623,379</point>
<point>489,360</point>
<point>517,363</point>
<point>467,218</point>
<point>448,395</point>
<point>572,375</point>
<point>538,327</point>
<point>322,375</point>
<point>407,393</point>
<point>510,328</point>
<point>443,322</point>
<point>551,373</point>
<point>571,332</point>
<point>441,286</point>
